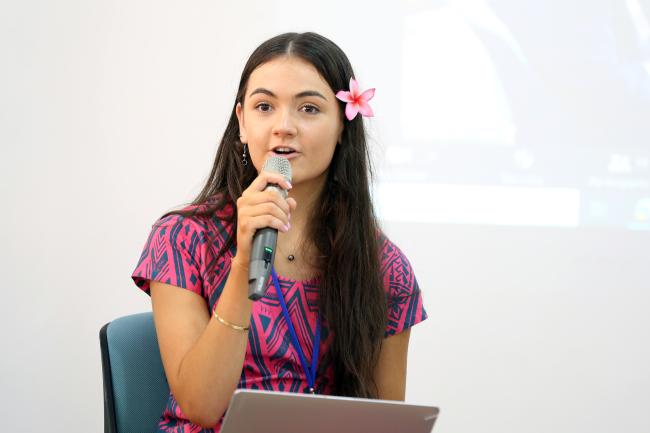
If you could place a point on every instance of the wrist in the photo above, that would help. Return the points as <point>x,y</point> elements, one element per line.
<point>238,262</point>
<point>242,328</point>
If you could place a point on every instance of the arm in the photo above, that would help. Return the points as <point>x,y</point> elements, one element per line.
<point>202,358</point>
<point>390,373</point>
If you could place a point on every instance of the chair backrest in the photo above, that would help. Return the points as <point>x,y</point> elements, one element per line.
<point>135,386</point>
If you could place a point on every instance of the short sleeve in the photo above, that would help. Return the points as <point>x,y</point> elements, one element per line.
<point>405,306</point>
<point>172,254</point>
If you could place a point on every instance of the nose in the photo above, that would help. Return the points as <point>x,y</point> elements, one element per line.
<point>284,125</point>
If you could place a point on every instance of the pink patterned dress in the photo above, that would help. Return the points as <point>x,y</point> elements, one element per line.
<point>177,253</point>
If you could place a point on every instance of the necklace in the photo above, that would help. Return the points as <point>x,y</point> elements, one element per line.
<point>290,257</point>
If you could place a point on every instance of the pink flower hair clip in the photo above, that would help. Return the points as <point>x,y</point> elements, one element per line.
<point>357,102</point>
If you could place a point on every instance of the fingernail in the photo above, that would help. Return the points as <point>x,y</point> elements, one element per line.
<point>289,183</point>
<point>288,226</point>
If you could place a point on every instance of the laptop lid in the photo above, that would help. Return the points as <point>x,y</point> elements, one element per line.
<point>252,411</point>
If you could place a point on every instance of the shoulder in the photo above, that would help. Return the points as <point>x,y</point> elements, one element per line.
<point>390,255</point>
<point>180,246</point>
<point>189,222</point>
<point>403,295</point>
<point>396,270</point>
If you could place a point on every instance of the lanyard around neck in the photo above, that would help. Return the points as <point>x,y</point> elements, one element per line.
<point>309,372</point>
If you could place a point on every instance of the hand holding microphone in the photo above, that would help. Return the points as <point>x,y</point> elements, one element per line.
<point>262,210</point>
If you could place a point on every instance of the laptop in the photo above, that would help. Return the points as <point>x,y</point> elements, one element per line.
<point>253,411</point>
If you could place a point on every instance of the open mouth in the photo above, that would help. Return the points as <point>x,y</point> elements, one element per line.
<point>284,151</point>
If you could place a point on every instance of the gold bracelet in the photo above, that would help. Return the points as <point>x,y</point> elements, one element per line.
<point>231,325</point>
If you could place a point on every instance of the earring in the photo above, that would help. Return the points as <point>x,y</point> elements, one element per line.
<point>244,161</point>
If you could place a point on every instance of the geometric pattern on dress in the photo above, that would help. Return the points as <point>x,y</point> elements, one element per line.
<point>176,252</point>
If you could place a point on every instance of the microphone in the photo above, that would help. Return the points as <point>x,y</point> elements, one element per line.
<point>265,240</point>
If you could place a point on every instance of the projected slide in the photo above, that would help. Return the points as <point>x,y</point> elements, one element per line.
<point>513,114</point>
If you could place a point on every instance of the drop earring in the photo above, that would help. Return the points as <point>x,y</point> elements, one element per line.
<point>244,161</point>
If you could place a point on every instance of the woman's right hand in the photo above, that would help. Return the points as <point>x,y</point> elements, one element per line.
<point>257,209</point>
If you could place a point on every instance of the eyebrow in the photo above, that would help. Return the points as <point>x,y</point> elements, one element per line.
<point>298,95</point>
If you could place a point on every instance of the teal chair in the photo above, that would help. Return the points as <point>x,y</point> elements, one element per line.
<point>135,386</point>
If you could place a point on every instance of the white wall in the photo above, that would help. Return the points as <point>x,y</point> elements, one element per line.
<point>110,115</point>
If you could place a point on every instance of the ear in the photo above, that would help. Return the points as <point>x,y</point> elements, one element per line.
<point>240,119</point>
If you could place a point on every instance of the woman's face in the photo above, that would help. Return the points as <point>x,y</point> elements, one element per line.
<point>288,104</point>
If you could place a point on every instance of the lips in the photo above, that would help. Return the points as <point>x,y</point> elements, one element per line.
<point>285,151</point>
<point>293,154</point>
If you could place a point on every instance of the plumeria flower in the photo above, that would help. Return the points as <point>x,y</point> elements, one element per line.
<point>357,102</point>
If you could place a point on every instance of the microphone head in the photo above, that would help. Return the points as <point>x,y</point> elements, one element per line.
<point>278,164</point>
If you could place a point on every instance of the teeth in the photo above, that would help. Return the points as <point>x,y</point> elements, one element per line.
<point>283,149</point>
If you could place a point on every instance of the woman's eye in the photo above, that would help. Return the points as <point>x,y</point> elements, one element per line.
<point>263,107</point>
<point>311,109</point>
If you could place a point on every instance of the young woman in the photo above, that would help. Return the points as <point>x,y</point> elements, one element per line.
<point>349,292</point>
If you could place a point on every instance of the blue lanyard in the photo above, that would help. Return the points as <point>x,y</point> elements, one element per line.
<point>310,373</point>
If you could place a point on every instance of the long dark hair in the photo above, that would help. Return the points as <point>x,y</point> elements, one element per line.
<point>342,227</point>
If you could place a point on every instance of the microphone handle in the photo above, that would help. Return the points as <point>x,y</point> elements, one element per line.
<point>262,258</point>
